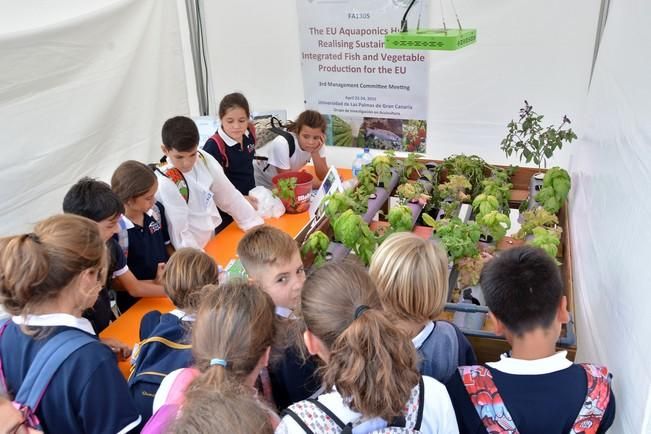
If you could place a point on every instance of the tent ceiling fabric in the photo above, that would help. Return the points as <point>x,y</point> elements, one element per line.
<point>80,93</point>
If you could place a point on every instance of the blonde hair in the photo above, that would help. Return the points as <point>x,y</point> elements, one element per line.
<point>264,246</point>
<point>411,275</point>
<point>35,267</point>
<point>235,323</point>
<point>232,411</point>
<point>187,271</point>
<point>372,363</point>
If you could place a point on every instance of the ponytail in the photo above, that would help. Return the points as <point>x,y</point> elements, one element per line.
<point>372,363</point>
<point>235,326</point>
<point>35,267</point>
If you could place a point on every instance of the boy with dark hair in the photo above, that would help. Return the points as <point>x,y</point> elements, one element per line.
<point>192,184</point>
<point>95,200</point>
<point>535,389</point>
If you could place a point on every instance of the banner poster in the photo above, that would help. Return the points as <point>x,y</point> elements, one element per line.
<point>372,96</point>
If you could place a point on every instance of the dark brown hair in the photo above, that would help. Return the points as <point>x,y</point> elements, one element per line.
<point>309,118</point>
<point>181,134</point>
<point>186,273</point>
<point>35,267</point>
<point>233,100</point>
<point>132,179</point>
<point>372,364</point>
<point>235,323</point>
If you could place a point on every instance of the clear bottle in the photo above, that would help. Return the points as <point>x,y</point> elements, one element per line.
<point>367,157</point>
<point>357,164</point>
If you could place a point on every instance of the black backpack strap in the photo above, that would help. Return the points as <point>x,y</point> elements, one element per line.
<point>327,411</point>
<point>297,419</point>
<point>278,128</point>
<point>421,404</point>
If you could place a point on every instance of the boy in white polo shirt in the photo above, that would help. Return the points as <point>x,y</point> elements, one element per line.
<point>191,185</point>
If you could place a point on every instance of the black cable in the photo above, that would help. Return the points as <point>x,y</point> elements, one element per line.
<point>403,22</point>
<point>204,63</point>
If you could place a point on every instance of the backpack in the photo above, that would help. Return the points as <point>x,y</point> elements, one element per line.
<point>497,419</point>
<point>47,362</point>
<point>314,417</point>
<point>439,353</point>
<point>163,348</point>
<point>269,128</point>
<point>167,413</point>
<point>123,232</point>
<point>221,145</point>
<point>175,175</point>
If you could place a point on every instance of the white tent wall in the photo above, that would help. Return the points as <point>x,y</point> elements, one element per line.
<point>83,87</point>
<point>539,50</point>
<point>611,175</point>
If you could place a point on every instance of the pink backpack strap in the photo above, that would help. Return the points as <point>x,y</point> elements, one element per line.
<point>596,400</point>
<point>487,400</point>
<point>221,147</point>
<point>168,412</point>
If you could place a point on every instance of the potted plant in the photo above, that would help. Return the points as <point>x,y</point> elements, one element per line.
<point>411,167</point>
<point>485,203</point>
<point>534,218</point>
<point>555,188</point>
<point>528,139</point>
<point>472,167</point>
<point>353,232</point>
<point>412,192</point>
<point>453,194</point>
<point>294,190</point>
<point>546,239</point>
<point>494,225</point>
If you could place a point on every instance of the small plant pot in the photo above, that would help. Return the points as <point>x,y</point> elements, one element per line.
<point>302,191</point>
<point>509,243</point>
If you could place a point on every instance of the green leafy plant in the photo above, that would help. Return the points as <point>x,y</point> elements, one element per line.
<point>382,164</point>
<point>460,239</point>
<point>366,182</point>
<point>485,203</point>
<point>495,224</point>
<point>317,243</point>
<point>286,190</point>
<point>534,218</point>
<point>472,167</point>
<point>498,185</point>
<point>556,187</point>
<point>546,239</point>
<point>411,166</point>
<point>353,232</point>
<point>531,141</point>
<point>412,192</point>
<point>400,218</point>
<point>338,202</point>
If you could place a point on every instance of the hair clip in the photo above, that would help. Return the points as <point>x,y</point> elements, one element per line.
<point>360,310</point>
<point>220,362</point>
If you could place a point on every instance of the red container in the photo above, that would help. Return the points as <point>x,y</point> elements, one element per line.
<point>302,191</point>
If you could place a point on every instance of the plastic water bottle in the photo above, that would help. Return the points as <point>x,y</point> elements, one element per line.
<point>367,157</point>
<point>357,164</point>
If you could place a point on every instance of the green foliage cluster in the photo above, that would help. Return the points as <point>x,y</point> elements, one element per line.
<point>286,190</point>
<point>353,232</point>
<point>471,167</point>
<point>317,243</point>
<point>556,187</point>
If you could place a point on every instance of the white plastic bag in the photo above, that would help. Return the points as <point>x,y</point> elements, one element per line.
<point>268,204</point>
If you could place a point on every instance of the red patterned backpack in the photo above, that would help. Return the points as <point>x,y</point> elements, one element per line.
<point>496,418</point>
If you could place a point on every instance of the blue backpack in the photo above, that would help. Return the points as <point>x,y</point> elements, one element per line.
<point>47,362</point>
<point>164,347</point>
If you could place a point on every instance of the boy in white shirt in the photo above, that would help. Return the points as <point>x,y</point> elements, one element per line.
<point>191,185</point>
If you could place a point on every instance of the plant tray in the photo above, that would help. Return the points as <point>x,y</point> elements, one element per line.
<point>431,39</point>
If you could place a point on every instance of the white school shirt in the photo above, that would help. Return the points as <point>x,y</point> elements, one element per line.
<point>192,224</point>
<point>438,414</point>
<point>277,152</point>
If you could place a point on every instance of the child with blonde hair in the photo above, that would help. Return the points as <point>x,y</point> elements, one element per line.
<point>371,375</point>
<point>47,279</point>
<point>272,259</point>
<point>231,342</point>
<point>165,338</point>
<point>411,275</point>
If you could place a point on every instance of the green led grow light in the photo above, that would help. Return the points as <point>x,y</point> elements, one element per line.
<point>431,39</point>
